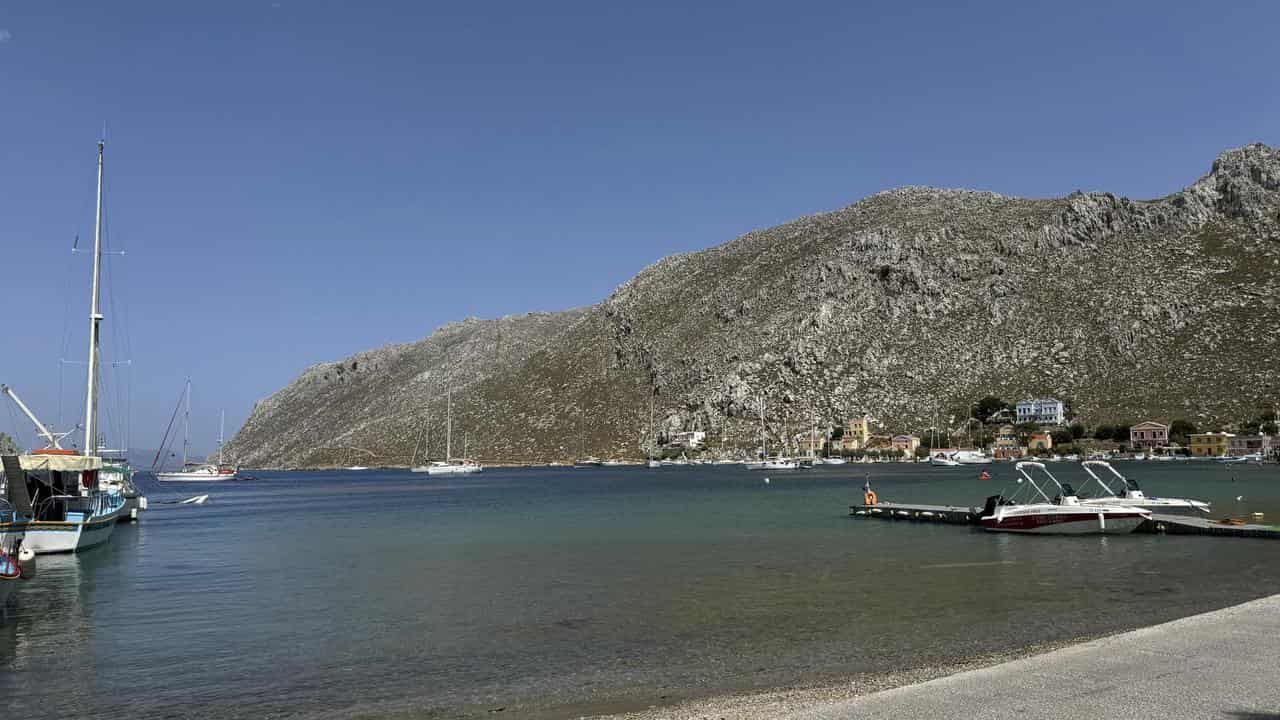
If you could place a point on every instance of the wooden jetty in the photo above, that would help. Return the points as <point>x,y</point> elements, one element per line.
<point>1158,524</point>
<point>952,514</point>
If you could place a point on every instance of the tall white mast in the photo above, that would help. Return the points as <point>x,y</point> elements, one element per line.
<point>222,422</point>
<point>186,425</point>
<point>448,430</point>
<point>764,448</point>
<point>95,319</point>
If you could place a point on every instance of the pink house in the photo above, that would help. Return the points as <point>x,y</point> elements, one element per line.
<point>1149,435</point>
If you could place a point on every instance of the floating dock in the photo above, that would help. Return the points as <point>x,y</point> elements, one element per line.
<point>1158,524</point>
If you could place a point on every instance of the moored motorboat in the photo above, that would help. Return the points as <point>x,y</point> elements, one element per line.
<point>1064,514</point>
<point>942,459</point>
<point>1130,495</point>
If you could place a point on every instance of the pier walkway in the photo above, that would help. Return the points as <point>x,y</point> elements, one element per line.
<point>1158,524</point>
<point>1220,664</point>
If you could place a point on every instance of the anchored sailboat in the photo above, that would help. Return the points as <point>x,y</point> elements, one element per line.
<point>449,466</point>
<point>55,501</point>
<point>192,471</point>
<point>766,462</point>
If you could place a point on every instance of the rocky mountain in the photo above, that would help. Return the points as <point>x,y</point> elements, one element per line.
<point>900,305</point>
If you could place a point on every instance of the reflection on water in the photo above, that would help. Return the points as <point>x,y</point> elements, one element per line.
<point>305,594</point>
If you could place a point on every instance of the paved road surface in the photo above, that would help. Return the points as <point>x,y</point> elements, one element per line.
<point>1223,664</point>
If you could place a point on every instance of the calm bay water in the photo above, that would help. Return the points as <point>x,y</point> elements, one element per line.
<point>380,593</point>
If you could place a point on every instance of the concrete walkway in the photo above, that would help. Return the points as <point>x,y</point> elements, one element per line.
<point>1222,664</point>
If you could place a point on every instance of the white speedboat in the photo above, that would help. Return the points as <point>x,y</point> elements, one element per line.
<point>357,468</point>
<point>1130,495</point>
<point>832,461</point>
<point>1064,514</point>
<point>942,460</point>
<point>653,463</point>
<point>1254,457</point>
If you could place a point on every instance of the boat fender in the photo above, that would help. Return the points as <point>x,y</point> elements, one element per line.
<point>26,563</point>
<point>869,497</point>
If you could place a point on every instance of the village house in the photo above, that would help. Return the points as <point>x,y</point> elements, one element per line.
<point>1046,411</point>
<point>1149,435</point>
<point>1006,445</point>
<point>1211,444</point>
<point>1239,445</point>
<point>692,439</point>
<point>905,444</point>
<point>1040,441</point>
<point>857,433</point>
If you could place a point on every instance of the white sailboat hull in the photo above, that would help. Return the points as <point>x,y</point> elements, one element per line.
<point>448,468</point>
<point>194,477</point>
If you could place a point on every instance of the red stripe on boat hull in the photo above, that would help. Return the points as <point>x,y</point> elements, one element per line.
<point>1084,523</point>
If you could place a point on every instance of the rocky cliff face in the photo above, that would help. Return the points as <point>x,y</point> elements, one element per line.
<point>905,303</point>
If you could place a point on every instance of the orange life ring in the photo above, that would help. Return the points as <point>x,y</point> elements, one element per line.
<point>984,476</point>
<point>869,497</point>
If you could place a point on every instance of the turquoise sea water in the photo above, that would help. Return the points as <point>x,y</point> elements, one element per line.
<point>384,593</point>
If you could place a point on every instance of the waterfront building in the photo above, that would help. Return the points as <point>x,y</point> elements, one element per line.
<point>1149,435</point>
<point>1044,411</point>
<point>692,439</point>
<point>1040,441</point>
<point>1006,445</point>
<point>857,433</point>
<point>1210,444</point>
<point>905,444</point>
<point>1238,445</point>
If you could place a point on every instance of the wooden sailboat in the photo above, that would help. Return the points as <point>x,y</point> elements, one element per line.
<point>57,502</point>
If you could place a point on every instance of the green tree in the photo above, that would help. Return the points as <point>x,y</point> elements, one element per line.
<point>1120,433</point>
<point>1077,431</point>
<point>1103,432</point>
<point>8,446</point>
<point>988,406</point>
<point>1180,431</point>
<point>1061,436</point>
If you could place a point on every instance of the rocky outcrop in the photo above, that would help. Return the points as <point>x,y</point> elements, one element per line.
<point>905,303</point>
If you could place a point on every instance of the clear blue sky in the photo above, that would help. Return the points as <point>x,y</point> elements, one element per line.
<point>296,181</point>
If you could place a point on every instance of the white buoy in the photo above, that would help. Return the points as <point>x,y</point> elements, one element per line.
<point>27,562</point>
<point>766,481</point>
<point>1239,498</point>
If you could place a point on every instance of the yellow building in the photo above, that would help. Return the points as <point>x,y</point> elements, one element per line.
<point>1210,444</point>
<point>857,433</point>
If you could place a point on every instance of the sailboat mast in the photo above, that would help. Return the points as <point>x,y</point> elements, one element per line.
<point>764,448</point>
<point>448,430</point>
<point>222,423</point>
<point>186,425</point>
<point>95,320</point>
